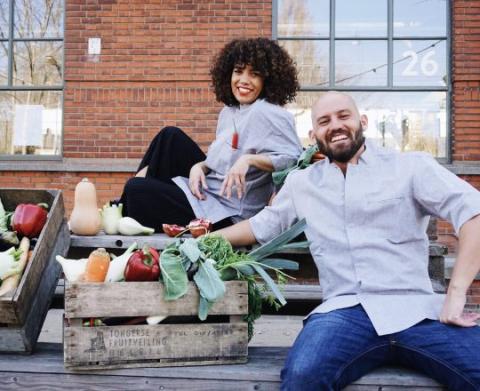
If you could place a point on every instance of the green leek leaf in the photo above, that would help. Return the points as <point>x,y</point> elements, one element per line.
<point>272,246</point>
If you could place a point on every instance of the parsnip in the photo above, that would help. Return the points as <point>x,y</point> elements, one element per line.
<point>9,284</point>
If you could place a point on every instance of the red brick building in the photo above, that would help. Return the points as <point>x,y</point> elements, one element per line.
<point>153,66</point>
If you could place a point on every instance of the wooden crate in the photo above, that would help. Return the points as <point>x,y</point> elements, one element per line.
<point>14,310</point>
<point>23,337</point>
<point>128,346</point>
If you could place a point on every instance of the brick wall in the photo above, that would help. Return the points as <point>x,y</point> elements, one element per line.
<point>153,70</point>
<point>466,80</point>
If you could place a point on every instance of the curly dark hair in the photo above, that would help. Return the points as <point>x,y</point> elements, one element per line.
<point>280,83</point>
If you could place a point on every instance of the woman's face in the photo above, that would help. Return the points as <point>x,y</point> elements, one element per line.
<point>247,84</point>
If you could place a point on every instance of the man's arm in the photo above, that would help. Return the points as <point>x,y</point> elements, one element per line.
<point>466,267</point>
<point>240,234</point>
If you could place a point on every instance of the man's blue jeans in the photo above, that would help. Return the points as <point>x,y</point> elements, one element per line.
<point>338,347</point>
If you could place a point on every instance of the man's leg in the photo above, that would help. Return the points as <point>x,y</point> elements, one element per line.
<point>332,350</point>
<point>449,354</point>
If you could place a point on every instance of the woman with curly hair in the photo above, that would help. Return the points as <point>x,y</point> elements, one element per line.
<point>176,182</point>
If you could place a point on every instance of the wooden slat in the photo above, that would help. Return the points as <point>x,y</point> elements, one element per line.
<point>84,300</point>
<point>40,256</point>
<point>262,372</point>
<point>155,346</point>
<point>159,241</point>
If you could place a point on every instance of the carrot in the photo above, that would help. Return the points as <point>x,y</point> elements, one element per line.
<point>11,283</point>
<point>97,266</point>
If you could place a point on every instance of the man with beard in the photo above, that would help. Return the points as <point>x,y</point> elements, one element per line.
<point>367,209</point>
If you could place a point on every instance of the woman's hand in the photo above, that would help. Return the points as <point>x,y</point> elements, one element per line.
<point>236,177</point>
<point>197,180</point>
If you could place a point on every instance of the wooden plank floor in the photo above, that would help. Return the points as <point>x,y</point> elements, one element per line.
<point>44,370</point>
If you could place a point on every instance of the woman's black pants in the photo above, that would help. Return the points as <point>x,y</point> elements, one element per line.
<point>156,199</point>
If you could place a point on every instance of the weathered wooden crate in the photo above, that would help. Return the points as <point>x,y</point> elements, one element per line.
<point>22,315</point>
<point>175,344</point>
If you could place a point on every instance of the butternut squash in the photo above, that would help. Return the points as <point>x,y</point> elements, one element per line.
<point>85,218</point>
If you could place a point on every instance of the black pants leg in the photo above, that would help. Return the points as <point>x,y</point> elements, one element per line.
<point>155,199</point>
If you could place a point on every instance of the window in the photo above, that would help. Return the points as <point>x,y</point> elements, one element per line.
<point>390,55</point>
<point>31,78</point>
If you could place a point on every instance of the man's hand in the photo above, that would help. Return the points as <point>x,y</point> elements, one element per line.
<point>197,180</point>
<point>236,177</point>
<point>452,311</point>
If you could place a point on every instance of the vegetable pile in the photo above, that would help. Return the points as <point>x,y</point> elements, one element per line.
<point>27,222</point>
<point>208,261</point>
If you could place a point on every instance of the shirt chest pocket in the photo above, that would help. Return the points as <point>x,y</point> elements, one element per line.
<point>390,217</point>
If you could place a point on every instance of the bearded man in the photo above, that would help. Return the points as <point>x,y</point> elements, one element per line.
<point>367,209</point>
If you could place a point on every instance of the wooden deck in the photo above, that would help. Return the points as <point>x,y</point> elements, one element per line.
<point>44,370</point>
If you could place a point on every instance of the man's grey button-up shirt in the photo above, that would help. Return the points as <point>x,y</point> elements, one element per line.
<point>367,230</point>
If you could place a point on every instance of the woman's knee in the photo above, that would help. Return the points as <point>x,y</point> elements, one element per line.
<point>171,131</point>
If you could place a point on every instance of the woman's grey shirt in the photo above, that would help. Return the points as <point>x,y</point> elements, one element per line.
<point>263,128</point>
<point>367,230</point>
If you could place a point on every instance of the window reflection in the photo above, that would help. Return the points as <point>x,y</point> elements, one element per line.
<point>38,18</point>
<point>419,63</point>
<point>355,19</point>
<point>312,60</point>
<point>30,122</point>
<point>3,63</point>
<point>361,63</point>
<point>4,14</point>
<point>37,63</point>
<point>419,18</point>
<point>308,18</point>
<point>405,121</point>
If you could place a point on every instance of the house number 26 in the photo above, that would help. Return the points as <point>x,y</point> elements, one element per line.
<point>428,65</point>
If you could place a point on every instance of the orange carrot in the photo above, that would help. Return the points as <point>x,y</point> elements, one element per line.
<point>97,266</point>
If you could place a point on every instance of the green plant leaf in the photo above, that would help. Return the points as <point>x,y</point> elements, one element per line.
<point>173,274</point>
<point>279,263</point>
<point>190,249</point>
<point>208,281</point>
<point>294,245</point>
<point>271,284</point>
<point>203,308</point>
<point>273,245</point>
<point>246,270</point>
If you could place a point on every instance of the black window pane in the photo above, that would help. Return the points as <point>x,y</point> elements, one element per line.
<point>309,18</point>
<point>420,63</point>
<point>30,122</point>
<point>38,18</point>
<point>419,18</point>
<point>405,121</point>
<point>312,61</point>
<point>355,18</point>
<point>38,63</point>
<point>361,63</point>
<point>4,16</point>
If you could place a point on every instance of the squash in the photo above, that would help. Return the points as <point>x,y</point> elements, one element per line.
<point>85,218</point>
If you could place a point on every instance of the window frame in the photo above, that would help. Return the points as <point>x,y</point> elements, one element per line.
<point>11,87</point>
<point>390,47</point>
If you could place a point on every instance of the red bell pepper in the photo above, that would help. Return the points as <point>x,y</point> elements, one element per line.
<point>143,265</point>
<point>29,219</point>
<point>199,227</point>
